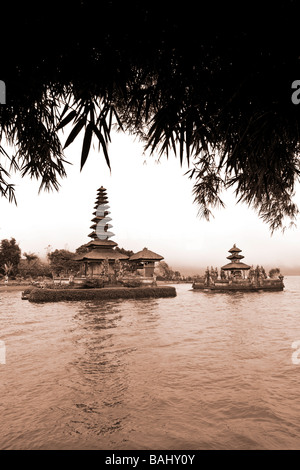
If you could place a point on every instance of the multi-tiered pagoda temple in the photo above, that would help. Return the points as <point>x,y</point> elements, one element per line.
<point>100,248</point>
<point>235,268</point>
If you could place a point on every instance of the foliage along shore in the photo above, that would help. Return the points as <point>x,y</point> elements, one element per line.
<point>56,295</point>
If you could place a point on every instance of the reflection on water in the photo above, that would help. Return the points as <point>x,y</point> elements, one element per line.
<point>199,371</point>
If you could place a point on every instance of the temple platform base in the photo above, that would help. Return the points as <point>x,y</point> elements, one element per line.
<point>105,293</point>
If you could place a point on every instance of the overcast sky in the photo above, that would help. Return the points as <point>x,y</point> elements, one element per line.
<point>151,206</point>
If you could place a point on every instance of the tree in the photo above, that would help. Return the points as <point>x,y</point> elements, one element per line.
<point>263,272</point>
<point>33,267</point>
<point>30,257</point>
<point>274,272</point>
<point>82,249</point>
<point>213,86</point>
<point>62,262</point>
<point>10,255</point>
<point>177,276</point>
<point>124,251</point>
<point>8,267</point>
<point>118,270</point>
<point>164,271</point>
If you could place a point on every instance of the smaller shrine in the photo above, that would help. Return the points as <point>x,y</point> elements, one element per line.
<point>144,262</point>
<point>236,276</point>
<point>235,268</point>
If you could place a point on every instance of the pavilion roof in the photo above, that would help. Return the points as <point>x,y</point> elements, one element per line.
<point>100,255</point>
<point>97,218</point>
<point>235,266</point>
<point>234,249</point>
<point>95,236</point>
<point>235,256</point>
<point>99,243</point>
<point>146,254</point>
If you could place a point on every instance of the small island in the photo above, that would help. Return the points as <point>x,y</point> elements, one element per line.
<point>238,276</point>
<point>102,270</point>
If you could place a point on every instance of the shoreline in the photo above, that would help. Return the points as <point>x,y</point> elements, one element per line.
<point>4,288</point>
<point>21,287</point>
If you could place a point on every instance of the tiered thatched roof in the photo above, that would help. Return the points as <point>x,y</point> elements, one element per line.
<point>101,255</point>
<point>100,249</point>
<point>101,200</point>
<point>235,266</point>
<point>146,255</point>
<point>234,249</point>
<point>235,258</point>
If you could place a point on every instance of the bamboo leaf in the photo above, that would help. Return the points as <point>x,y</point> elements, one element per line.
<point>75,131</point>
<point>66,107</point>
<point>103,143</point>
<point>86,144</point>
<point>117,118</point>
<point>66,120</point>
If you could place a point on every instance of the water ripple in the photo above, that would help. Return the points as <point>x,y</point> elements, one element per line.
<point>199,371</point>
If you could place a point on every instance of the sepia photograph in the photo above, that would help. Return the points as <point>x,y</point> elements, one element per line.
<point>150,229</point>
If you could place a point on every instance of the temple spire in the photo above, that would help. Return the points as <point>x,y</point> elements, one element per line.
<point>235,265</point>
<point>101,249</point>
<point>101,220</point>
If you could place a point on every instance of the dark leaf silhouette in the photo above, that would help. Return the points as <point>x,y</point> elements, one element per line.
<point>86,144</point>
<point>66,120</point>
<point>103,143</point>
<point>75,131</point>
<point>217,94</point>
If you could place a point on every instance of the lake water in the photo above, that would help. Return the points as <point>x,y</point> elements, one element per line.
<point>199,371</point>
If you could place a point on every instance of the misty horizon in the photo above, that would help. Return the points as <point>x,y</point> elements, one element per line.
<point>148,209</point>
